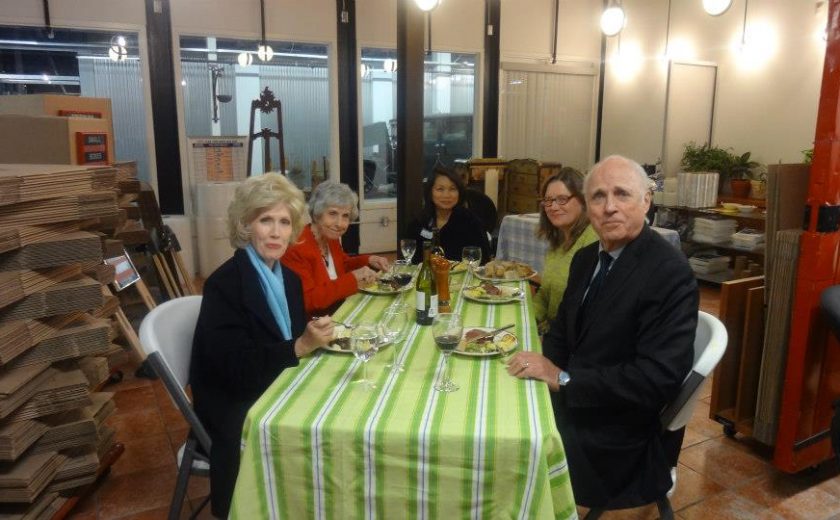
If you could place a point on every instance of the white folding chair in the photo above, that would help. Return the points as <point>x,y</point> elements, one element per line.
<point>166,335</point>
<point>709,345</point>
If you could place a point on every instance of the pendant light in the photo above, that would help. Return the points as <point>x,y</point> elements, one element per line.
<point>264,50</point>
<point>116,49</point>
<point>427,5</point>
<point>613,19</point>
<point>716,7</point>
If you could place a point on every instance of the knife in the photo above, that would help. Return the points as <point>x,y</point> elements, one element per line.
<point>491,333</point>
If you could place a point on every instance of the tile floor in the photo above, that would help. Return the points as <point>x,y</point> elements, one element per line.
<point>718,477</point>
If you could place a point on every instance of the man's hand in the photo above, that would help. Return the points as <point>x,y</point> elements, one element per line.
<point>530,365</point>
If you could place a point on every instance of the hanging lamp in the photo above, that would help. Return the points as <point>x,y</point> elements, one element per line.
<point>264,50</point>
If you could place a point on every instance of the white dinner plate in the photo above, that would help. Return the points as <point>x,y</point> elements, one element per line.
<point>509,294</point>
<point>501,343</point>
<point>342,332</point>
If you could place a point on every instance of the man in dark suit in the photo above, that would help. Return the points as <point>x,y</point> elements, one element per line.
<point>620,346</point>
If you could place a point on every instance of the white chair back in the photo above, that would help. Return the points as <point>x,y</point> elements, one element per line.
<point>168,329</point>
<point>709,345</point>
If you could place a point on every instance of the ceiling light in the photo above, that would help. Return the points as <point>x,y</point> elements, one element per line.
<point>389,65</point>
<point>265,52</point>
<point>613,20</point>
<point>716,7</point>
<point>364,70</point>
<point>245,58</point>
<point>427,5</point>
<point>116,49</point>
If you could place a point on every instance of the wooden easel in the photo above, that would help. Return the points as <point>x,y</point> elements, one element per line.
<point>266,104</point>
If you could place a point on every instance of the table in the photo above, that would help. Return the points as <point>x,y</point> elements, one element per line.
<point>518,240</point>
<point>317,446</point>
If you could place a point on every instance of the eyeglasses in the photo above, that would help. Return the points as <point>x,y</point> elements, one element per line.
<point>562,200</point>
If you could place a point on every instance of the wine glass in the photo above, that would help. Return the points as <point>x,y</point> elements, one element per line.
<point>471,255</point>
<point>447,329</point>
<point>392,328</point>
<point>408,246</point>
<point>364,342</point>
<point>401,272</point>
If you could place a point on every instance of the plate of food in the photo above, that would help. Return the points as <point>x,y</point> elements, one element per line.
<point>489,293</point>
<point>501,343</point>
<point>341,341</point>
<point>457,267</point>
<point>387,284</point>
<point>507,270</point>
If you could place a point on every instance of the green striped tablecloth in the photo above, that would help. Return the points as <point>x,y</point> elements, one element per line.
<point>317,446</point>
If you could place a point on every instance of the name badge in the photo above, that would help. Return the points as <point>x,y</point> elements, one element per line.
<point>427,234</point>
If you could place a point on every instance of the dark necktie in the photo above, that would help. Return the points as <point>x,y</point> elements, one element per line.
<point>595,287</point>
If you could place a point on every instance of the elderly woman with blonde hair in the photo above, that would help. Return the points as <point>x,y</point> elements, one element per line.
<point>252,323</point>
<point>329,275</point>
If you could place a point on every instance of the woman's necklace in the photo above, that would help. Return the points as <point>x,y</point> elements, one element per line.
<point>324,247</point>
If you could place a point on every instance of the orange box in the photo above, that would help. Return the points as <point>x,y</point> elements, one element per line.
<point>76,107</point>
<point>51,140</point>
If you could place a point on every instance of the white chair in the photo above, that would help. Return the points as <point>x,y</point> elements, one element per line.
<point>710,341</point>
<point>166,335</point>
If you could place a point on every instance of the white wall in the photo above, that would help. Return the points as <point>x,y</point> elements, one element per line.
<point>767,108</point>
<point>527,28</point>
<point>75,13</point>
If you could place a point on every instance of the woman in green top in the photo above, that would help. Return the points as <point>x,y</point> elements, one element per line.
<point>564,224</point>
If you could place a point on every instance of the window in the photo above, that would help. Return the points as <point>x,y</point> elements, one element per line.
<point>448,108</point>
<point>78,62</point>
<point>298,76</point>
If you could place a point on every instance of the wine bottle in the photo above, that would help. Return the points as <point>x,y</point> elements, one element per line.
<point>426,305</point>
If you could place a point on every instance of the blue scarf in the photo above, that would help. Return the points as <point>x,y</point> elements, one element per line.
<point>274,290</point>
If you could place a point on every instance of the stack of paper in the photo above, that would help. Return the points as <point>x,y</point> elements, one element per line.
<point>713,231</point>
<point>697,189</point>
<point>24,480</point>
<point>85,337</point>
<point>65,297</point>
<point>64,391</point>
<point>748,239</point>
<point>16,437</point>
<point>70,248</point>
<point>77,470</point>
<point>708,262</point>
<point>19,385</point>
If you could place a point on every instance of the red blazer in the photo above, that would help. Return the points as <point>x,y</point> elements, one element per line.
<point>320,294</point>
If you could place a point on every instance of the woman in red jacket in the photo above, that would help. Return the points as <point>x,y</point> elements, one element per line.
<point>327,273</point>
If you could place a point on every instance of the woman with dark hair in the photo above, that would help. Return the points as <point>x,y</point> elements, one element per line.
<point>444,213</point>
<point>251,325</point>
<point>564,224</point>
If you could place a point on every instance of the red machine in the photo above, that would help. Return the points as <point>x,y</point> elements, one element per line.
<point>812,375</point>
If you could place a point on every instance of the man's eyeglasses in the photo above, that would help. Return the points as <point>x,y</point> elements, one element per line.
<point>562,200</point>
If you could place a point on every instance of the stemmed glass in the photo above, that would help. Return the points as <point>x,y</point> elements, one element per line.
<point>447,329</point>
<point>401,272</point>
<point>408,246</point>
<point>364,342</point>
<point>392,327</point>
<point>471,255</point>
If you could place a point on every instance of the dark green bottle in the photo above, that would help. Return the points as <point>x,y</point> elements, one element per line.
<point>426,306</point>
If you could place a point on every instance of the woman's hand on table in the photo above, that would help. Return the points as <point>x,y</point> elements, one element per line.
<point>318,332</point>
<point>379,263</point>
<point>530,365</point>
<point>364,276</point>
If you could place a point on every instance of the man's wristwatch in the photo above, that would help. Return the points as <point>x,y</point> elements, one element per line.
<point>563,378</point>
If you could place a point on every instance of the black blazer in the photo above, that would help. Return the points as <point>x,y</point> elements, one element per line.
<point>462,229</point>
<point>627,360</point>
<point>238,351</point>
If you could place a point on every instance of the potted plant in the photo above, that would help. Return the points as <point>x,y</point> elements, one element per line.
<point>758,182</point>
<point>705,158</point>
<point>740,168</point>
